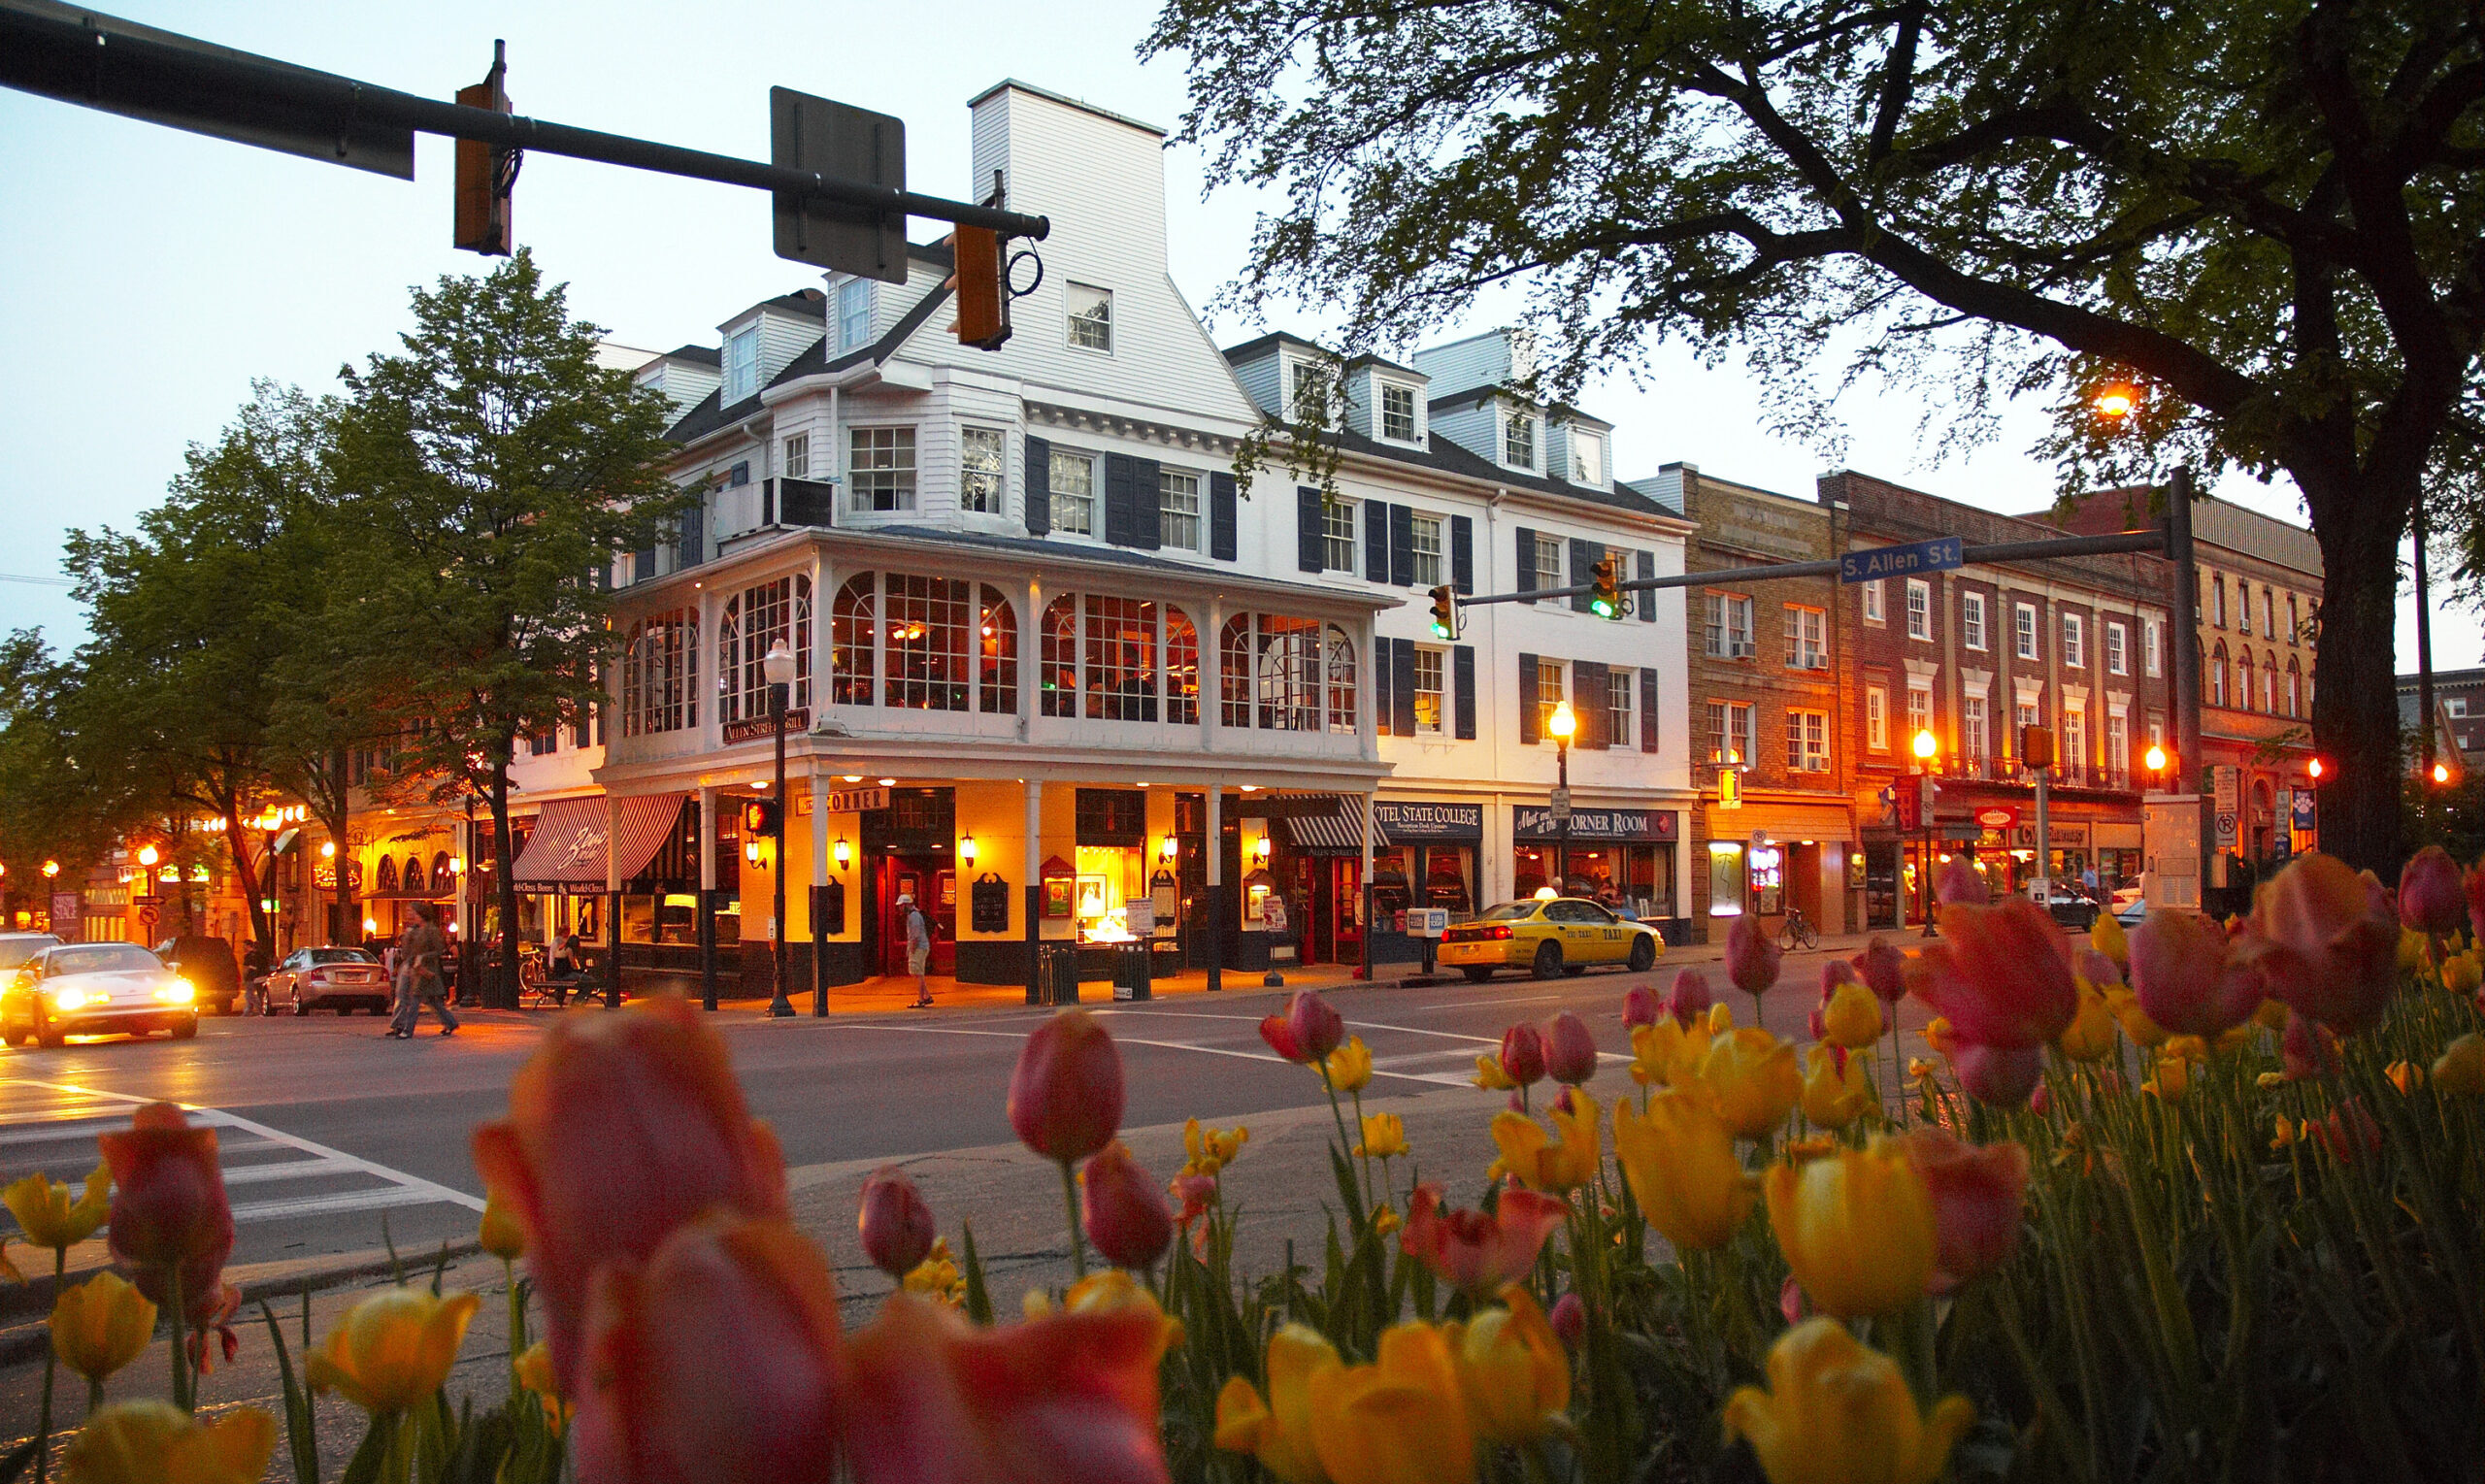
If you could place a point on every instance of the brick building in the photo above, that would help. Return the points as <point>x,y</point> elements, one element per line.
<point>2079,644</point>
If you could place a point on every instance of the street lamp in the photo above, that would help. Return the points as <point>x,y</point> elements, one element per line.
<point>779,669</point>
<point>1925,745</point>
<point>149,855</point>
<point>1564,726</point>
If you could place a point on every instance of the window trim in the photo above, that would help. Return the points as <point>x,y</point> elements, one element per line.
<point>1976,632</point>
<point>846,343</point>
<point>1340,519</point>
<point>914,500</point>
<point>1438,556</point>
<point>789,455</point>
<point>747,335</point>
<point>1512,417</point>
<point>1440,691</point>
<point>2027,640</point>
<point>1000,470</point>
<point>1196,515</point>
<point>1057,526</point>
<point>1588,437</point>
<point>1876,718</point>
<point>1917,587</point>
<point>1804,728</point>
<point>2118,648</point>
<point>1382,387</point>
<point>1071,318</point>
<point>1875,609</point>
<point>2075,642</point>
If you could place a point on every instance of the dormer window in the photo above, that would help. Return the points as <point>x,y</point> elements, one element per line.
<point>1307,391</point>
<point>1397,412</point>
<point>1587,457</point>
<point>1518,440</point>
<point>742,367</point>
<point>854,314</point>
<point>1091,317</point>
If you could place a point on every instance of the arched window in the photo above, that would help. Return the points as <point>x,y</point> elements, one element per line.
<point>2270,684</point>
<point>850,641</point>
<point>754,620</point>
<point>1289,674</point>
<point>1121,659</point>
<point>1342,681</point>
<point>1057,658</point>
<point>927,641</point>
<point>440,871</point>
<point>2217,674</point>
<point>413,878</point>
<point>387,877</point>
<point>1234,648</point>
<point>1181,668</point>
<point>998,687</point>
<point>660,674</point>
<point>2243,681</point>
<point>2295,684</point>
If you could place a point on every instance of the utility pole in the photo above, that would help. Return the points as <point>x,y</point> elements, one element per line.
<point>2184,602</point>
<point>2425,780</point>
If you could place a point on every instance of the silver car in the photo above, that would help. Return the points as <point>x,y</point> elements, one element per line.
<point>340,980</point>
<point>95,989</point>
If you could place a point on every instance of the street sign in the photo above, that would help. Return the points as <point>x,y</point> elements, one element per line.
<point>149,917</point>
<point>2283,840</point>
<point>146,902</point>
<point>852,143</point>
<point>2226,829</point>
<point>2226,781</point>
<point>1939,554</point>
<point>1560,805</point>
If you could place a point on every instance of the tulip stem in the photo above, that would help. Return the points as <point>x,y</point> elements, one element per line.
<point>1069,1202</point>
<point>94,1395</point>
<point>50,1360</point>
<point>174,1307</point>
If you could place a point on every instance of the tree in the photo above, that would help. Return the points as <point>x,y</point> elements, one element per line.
<point>53,803</point>
<point>2268,215</point>
<point>494,470</point>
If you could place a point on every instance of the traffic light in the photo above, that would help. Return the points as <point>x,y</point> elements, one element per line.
<point>485,173</point>
<point>984,292</point>
<point>1606,601</point>
<point>1445,611</point>
<point>760,817</point>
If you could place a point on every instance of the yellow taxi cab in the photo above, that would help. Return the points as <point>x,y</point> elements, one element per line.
<point>1548,936</point>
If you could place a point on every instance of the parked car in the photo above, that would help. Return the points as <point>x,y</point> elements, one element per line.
<point>208,963</point>
<point>1546,937</point>
<point>95,989</point>
<point>340,980</point>
<point>2067,904</point>
<point>17,948</point>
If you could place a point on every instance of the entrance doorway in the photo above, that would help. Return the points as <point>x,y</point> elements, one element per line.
<point>934,887</point>
<point>1331,887</point>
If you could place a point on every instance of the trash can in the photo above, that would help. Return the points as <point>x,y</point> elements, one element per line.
<point>1058,973</point>
<point>1132,971</point>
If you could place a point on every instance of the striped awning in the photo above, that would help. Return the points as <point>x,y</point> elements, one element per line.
<point>569,842</point>
<point>1340,831</point>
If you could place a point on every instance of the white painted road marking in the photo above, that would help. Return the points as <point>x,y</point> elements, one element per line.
<point>1440,1079</point>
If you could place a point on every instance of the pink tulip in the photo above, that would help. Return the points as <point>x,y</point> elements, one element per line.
<point>2472,882</point>
<point>2326,937</point>
<point>621,1127</point>
<point>1960,883</point>
<point>895,1223</point>
<point>2041,1102</point>
<point>1688,1000</point>
<point>2307,1050</point>
<point>1999,976</point>
<point>1883,969</point>
<point>1570,1320</point>
<point>169,1209</point>
<point>1066,1095</point>
<point>2096,967</point>
<point>1790,1300</point>
<point>719,1358</point>
<point>1523,1055</point>
<point>1640,1006</point>
<point>1751,958</point>
<point>1122,1211</point>
<point>1477,1253</point>
<point>1570,1051</point>
<point>2186,977</point>
<point>1317,1028</point>
<point>1069,1398</point>
<point>2000,1076</point>
<point>2350,1131</point>
<point>2429,895</point>
<point>1977,1195</point>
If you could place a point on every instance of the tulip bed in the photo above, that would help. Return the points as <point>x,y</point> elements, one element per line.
<point>2201,1204</point>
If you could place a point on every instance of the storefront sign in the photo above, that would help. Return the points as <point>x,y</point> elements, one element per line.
<point>2061,836</point>
<point>1535,822</point>
<point>754,728</point>
<point>857,801</point>
<point>1998,816</point>
<point>2282,842</point>
<point>1430,822</point>
<point>64,907</point>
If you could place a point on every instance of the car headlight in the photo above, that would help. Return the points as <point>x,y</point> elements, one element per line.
<point>178,992</point>
<point>67,999</point>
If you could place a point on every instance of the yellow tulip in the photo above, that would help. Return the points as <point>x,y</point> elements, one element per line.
<point>1511,1367</point>
<point>2285,1135</point>
<point>1666,1054</point>
<point>1558,1162</point>
<point>1490,1076</point>
<point>2463,973</point>
<point>2191,1048</point>
<point>1833,1099</point>
<point>2271,1015</point>
<point>155,1443</point>
<point>100,1326</point>
<point>1278,1431</point>
<point>1385,1221</point>
<point>392,1351</point>
<point>1936,1034</point>
<point>2174,1077</point>
<point>1838,1413</point>
<point>500,1233</point>
<point>936,1276</point>
<point>1351,1066</point>
<point>535,1373</point>
<point>2090,1036</point>
<point>2135,1022</point>
<point>2106,934</point>
<point>1399,1420</point>
<point>1753,1077</point>
<point>2413,950</point>
<point>2460,1068</point>
<point>1384,1137</point>
<point>1857,1228</point>
<point>1110,1291</point>
<point>1679,1160</point>
<point>1212,1149</point>
<point>1852,1018</point>
<point>1721,1018</point>
<point>49,1217</point>
<point>2405,1075</point>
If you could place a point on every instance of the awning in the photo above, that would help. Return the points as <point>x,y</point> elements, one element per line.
<point>569,845</point>
<point>1340,829</point>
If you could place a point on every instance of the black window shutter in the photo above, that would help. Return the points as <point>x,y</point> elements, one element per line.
<point>1526,697</point>
<point>1401,545</point>
<point>1462,553</point>
<point>694,537</point>
<point>1120,525</point>
<point>1221,542</point>
<point>1590,695</point>
<point>1375,540</point>
<point>1526,562</point>
<point>1038,484</point>
<point>1307,527</point>
<point>1584,555</point>
<point>1644,564</point>
<point>1381,672</point>
<point>1401,684</point>
<point>1462,667</point>
<point>643,564</point>
<point>1146,505</point>
<point>1649,733</point>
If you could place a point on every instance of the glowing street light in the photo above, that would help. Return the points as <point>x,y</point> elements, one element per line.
<point>1564,726</point>
<point>2116,402</point>
<point>2441,772</point>
<point>2314,768</point>
<point>147,855</point>
<point>1926,745</point>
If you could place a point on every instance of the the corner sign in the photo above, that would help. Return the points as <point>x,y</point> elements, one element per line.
<point>1939,554</point>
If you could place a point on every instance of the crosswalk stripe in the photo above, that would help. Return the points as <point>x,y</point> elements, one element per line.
<point>350,1201</point>
<point>290,1170</point>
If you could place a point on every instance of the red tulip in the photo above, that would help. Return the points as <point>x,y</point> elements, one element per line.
<point>2472,882</point>
<point>1570,1320</point>
<point>2000,1076</point>
<point>621,1127</point>
<point>1122,1209</point>
<point>1523,1055</point>
<point>717,1360</point>
<point>2429,895</point>
<point>895,1222</point>
<point>1999,976</point>
<point>1317,1027</point>
<point>2186,977</point>
<point>1689,998</point>
<point>2326,937</point>
<point>169,1210</point>
<point>1069,1398</point>
<point>1066,1096</point>
<point>1883,969</point>
<point>2307,1050</point>
<point>1475,1252</point>
<point>2350,1131</point>
<point>1570,1051</point>
<point>2096,967</point>
<point>1751,958</point>
<point>1962,884</point>
<point>1977,1195</point>
<point>1640,1006</point>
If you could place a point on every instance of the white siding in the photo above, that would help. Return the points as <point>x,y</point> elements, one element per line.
<point>1260,379</point>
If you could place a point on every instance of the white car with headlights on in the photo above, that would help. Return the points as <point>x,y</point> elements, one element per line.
<point>95,989</point>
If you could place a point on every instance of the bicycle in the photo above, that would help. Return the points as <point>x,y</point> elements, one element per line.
<point>1798,932</point>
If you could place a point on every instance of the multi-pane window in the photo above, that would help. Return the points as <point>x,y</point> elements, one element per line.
<point>1338,536</point>
<point>926,650</point>
<point>980,477</point>
<point>1873,610</point>
<point>1289,674</point>
<point>1876,718</point>
<point>1057,656</point>
<point>1971,620</point>
<point>1072,481</point>
<point>1518,440</point>
<point>755,620</point>
<point>1427,547</point>
<point>1091,317</point>
<point>2151,648</point>
<point>2118,747</point>
<point>1919,610</point>
<point>1121,659</point>
<point>1177,504</point>
<point>2217,678</point>
<point>1279,674</point>
<point>741,367</point>
<point>2024,625</point>
<point>2074,640</point>
<point>1308,391</point>
<point>1919,711</point>
<point>997,656</point>
<point>660,674</point>
<point>2074,741</point>
<point>1548,695</point>
<point>1807,639</point>
<point>2217,586</point>
<point>2270,684</point>
<point>1733,733</point>
<point>797,462</point>
<point>2027,717</point>
<point>1972,737</point>
<point>1181,668</point>
<point>1549,561</point>
<point>1807,742</point>
<point>2269,613</point>
<point>853,649</point>
<point>543,743</point>
<point>1427,688</point>
<point>2118,660</point>
<point>1619,685</point>
<point>1397,412</point>
<point>914,642</point>
<point>880,468</point>
<point>2295,689</point>
<point>1728,626</point>
<point>853,314</point>
<point>1587,457</point>
<point>2243,608</point>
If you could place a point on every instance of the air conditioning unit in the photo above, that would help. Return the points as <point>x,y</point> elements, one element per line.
<point>1742,651</point>
<point>1817,662</point>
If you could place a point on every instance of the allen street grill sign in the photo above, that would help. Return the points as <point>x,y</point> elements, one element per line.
<point>754,728</point>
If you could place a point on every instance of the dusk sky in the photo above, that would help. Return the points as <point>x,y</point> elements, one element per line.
<point>152,274</point>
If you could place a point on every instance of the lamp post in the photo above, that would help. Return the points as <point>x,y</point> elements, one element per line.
<point>1564,726</point>
<point>779,668</point>
<point>1925,745</point>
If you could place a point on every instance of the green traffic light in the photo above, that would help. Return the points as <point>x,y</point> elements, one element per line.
<point>1440,630</point>
<point>1602,608</point>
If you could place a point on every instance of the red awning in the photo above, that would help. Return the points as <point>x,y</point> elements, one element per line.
<point>569,845</point>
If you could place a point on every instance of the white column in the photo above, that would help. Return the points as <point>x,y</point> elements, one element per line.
<point>1031,598</point>
<point>1035,854</point>
<point>1368,697</point>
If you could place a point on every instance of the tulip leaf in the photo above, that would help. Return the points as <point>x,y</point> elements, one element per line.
<point>301,1419</point>
<point>979,1298</point>
<point>369,1458</point>
<point>18,1461</point>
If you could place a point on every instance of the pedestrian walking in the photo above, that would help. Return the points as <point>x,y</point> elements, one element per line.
<point>420,951</point>
<point>919,948</point>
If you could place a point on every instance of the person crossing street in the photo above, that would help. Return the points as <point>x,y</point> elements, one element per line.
<point>419,950</point>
